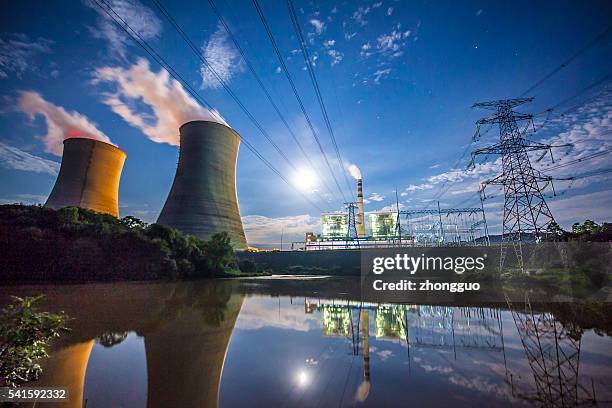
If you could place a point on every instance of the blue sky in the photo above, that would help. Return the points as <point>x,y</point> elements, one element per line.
<point>398,80</point>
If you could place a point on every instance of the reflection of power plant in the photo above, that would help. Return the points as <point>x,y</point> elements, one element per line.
<point>89,176</point>
<point>186,329</point>
<point>419,325</point>
<point>202,200</point>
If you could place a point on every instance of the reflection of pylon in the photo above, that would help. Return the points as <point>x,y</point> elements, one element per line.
<point>525,210</point>
<point>553,353</point>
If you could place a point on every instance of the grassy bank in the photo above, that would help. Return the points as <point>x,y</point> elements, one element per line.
<point>76,245</point>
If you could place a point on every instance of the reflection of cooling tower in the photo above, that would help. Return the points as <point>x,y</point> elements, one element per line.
<point>203,198</point>
<point>89,176</point>
<point>360,222</point>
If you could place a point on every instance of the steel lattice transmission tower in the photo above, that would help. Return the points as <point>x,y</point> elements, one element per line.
<point>351,232</point>
<point>525,210</point>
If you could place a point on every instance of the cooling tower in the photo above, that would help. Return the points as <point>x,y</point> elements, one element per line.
<point>88,177</point>
<point>202,200</point>
<point>360,222</point>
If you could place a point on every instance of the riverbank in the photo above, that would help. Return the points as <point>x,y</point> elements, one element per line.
<point>77,245</point>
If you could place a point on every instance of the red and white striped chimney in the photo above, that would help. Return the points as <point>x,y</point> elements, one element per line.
<point>360,222</point>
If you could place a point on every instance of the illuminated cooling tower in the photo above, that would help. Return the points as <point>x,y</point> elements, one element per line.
<point>203,198</point>
<point>88,177</point>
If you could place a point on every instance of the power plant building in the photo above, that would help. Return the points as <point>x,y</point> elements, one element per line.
<point>383,225</point>
<point>334,225</point>
<point>88,177</point>
<point>203,200</point>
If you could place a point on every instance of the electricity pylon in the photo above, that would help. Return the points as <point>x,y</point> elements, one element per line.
<point>351,233</point>
<point>525,210</point>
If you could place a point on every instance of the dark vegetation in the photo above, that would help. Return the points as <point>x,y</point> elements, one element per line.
<point>25,334</point>
<point>588,231</point>
<point>74,244</point>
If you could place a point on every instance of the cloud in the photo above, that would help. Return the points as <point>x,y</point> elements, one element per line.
<point>390,11</point>
<point>374,197</point>
<point>336,56</point>
<point>329,43</point>
<point>318,25</point>
<point>137,16</point>
<point>593,206</point>
<point>27,199</point>
<point>223,58</point>
<point>17,51</point>
<point>479,12</point>
<point>170,104</point>
<point>13,158</point>
<point>392,44</point>
<point>60,124</point>
<point>380,73</point>
<point>262,230</point>
<point>359,15</point>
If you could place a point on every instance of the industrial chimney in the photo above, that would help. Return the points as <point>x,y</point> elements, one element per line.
<point>360,222</point>
<point>202,200</point>
<point>88,177</point>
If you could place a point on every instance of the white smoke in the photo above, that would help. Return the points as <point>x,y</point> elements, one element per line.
<point>171,105</point>
<point>60,124</point>
<point>355,172</point>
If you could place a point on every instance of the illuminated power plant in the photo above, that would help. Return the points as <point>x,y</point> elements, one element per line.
<point>88,177</point>
<point>203,200</point>
<point>387,229</point>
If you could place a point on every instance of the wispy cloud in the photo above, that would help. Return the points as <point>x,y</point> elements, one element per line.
<point>392,44</point>
<point>14,158</point>
<point>262,230</point>
<point>318,25</point>
<point>360,14</point>
<point>17,52</point>
<point>170,104</point>
<point>223,58</point>
<point>137,16</point>
<point>27,199</point>
<point>335,55</point>
<point>374,197</point>
<point>60,123</point>
<point>381,73</point>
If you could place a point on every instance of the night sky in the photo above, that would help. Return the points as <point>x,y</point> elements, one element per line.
<point>398,80</point>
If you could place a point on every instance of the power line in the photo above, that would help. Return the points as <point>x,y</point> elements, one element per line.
<point>262,86</point>
<point>315,84</point>
<point>568,61</point>
<point>281,61</point>
<point>539,83</point>
<point>585,175</point>
<point>164,64</point>
<point>221,81</point>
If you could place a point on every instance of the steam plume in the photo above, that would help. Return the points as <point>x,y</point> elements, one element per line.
<point>355,172</point>
<point>170,104</point>
<point>60,124</point>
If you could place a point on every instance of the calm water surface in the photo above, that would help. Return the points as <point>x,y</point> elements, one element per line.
<point>313,343</point>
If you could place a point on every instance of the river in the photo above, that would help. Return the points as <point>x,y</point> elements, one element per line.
<point>313,342</point>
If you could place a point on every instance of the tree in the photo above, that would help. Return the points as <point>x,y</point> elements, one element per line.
<point>25,334</point>
<point>218,253</point>
<point>132,222</point>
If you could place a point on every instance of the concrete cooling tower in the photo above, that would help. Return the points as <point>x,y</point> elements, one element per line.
<point>202,200</point>
<point>88,177</point>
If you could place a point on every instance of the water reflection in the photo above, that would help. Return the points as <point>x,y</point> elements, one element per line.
<point>239,343</point>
